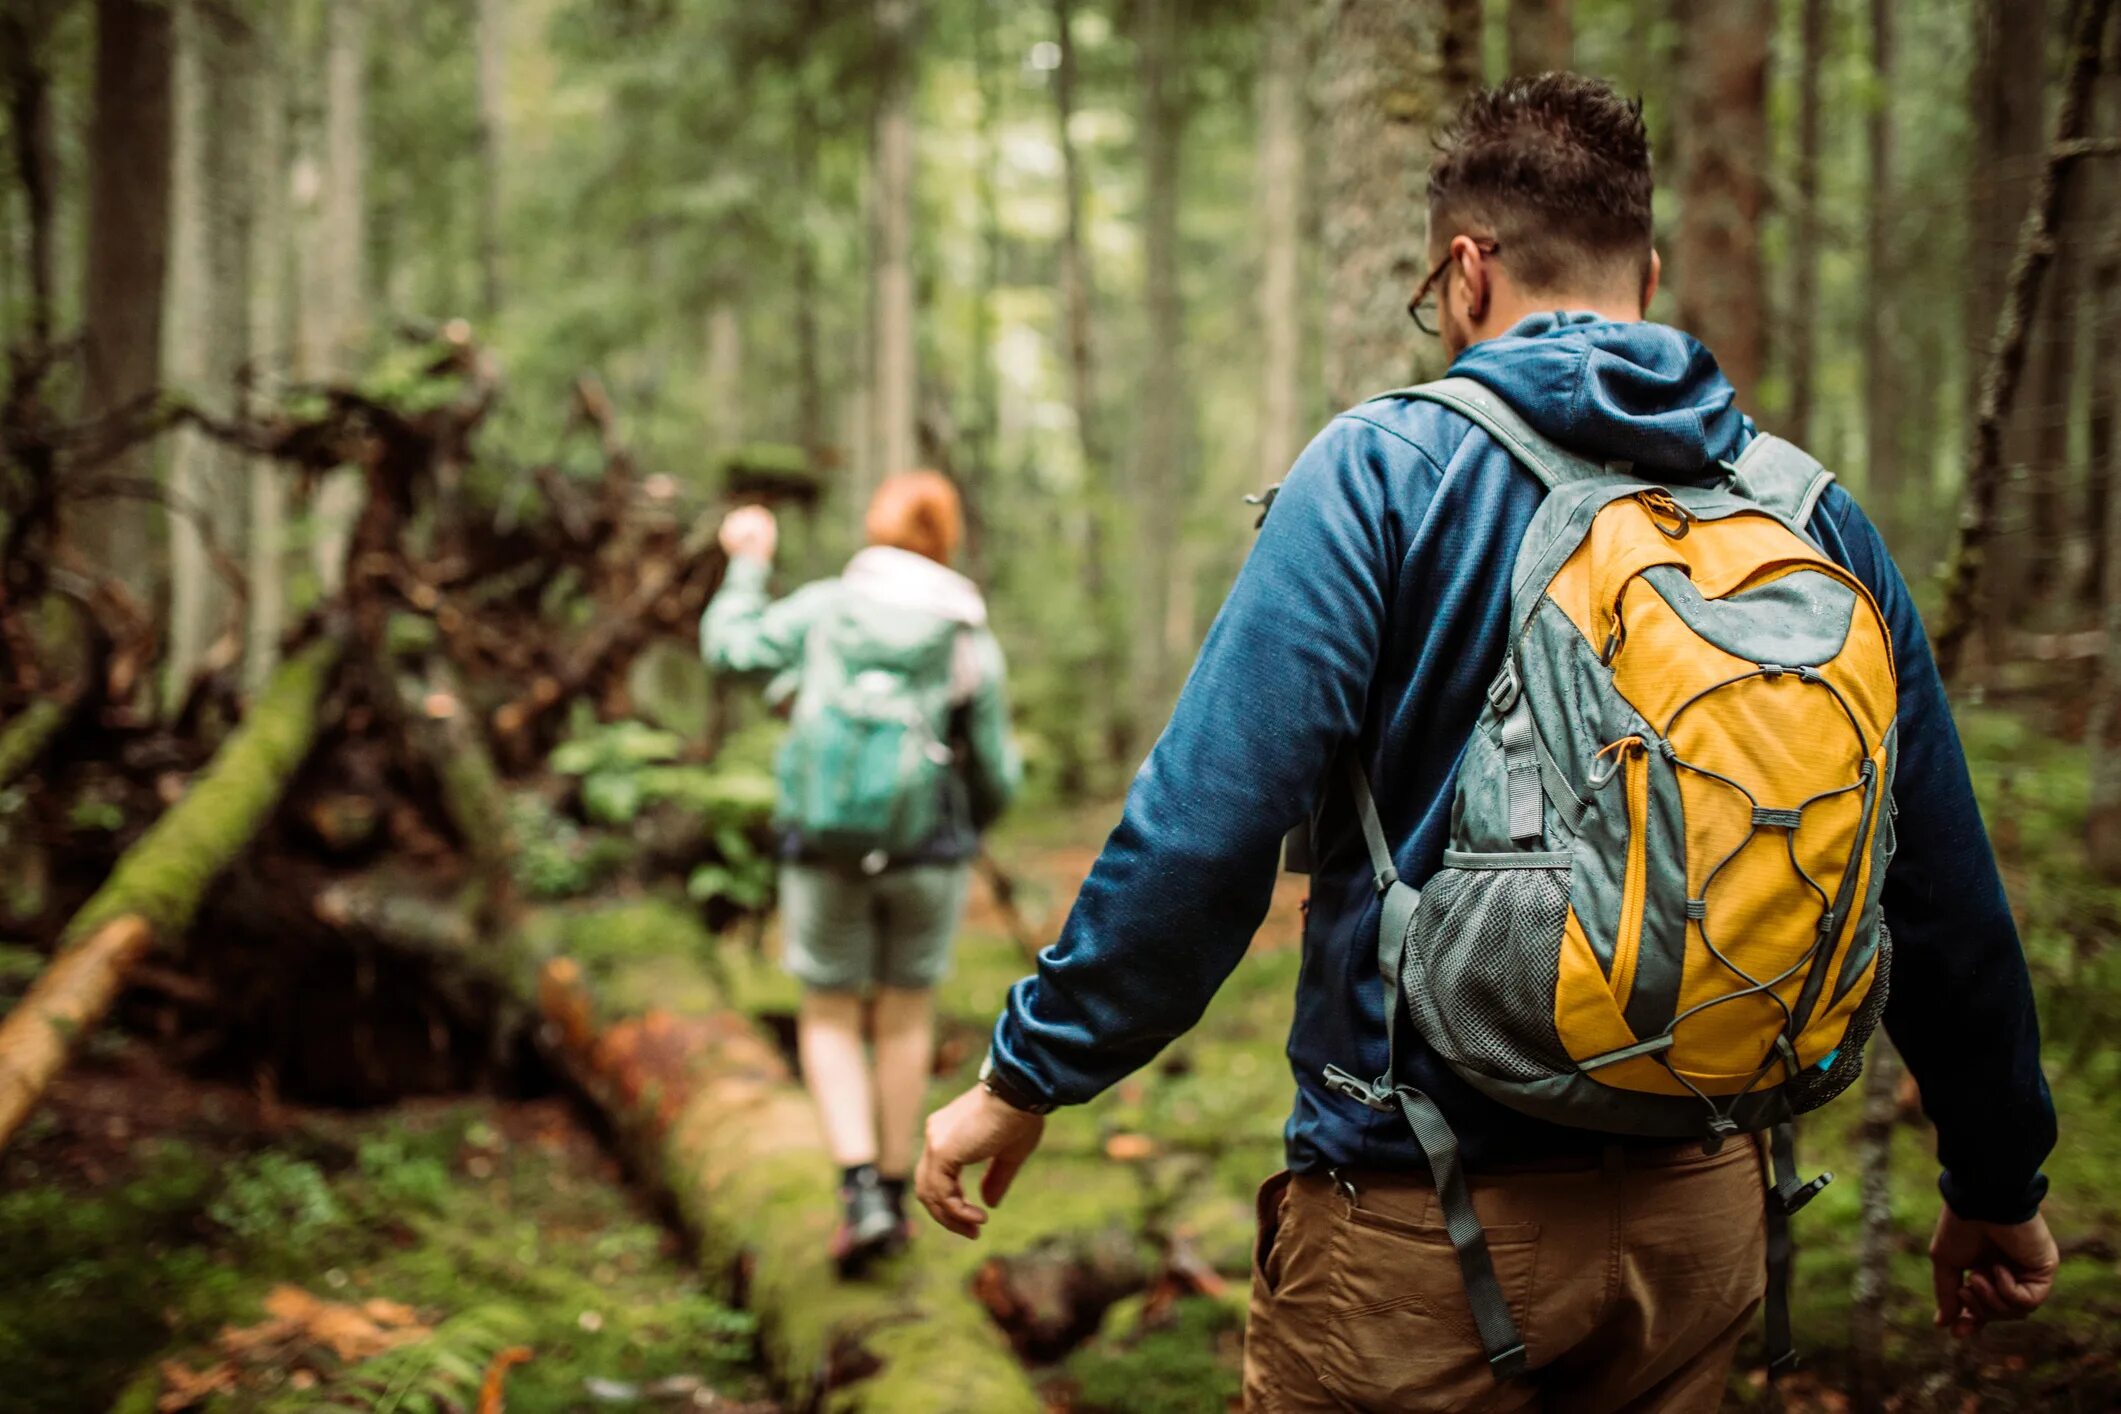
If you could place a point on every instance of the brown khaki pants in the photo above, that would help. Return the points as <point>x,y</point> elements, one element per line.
<point>1632,1282</point>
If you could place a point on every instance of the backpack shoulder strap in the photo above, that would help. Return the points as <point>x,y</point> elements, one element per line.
<point>1782,476</point>
<point>1553,465</point>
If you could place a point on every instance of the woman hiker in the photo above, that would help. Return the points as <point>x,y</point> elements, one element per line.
<point>898,755</point>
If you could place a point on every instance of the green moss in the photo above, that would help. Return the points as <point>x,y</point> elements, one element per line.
<point>164,876</point>
<point>1186,1364</point>
<point>25,736</point>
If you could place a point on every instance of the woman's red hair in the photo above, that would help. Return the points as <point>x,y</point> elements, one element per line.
<point>917,511</point>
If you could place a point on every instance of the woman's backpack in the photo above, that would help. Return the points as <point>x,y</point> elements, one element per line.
<point>1658,914</point>
<point>866,767</point>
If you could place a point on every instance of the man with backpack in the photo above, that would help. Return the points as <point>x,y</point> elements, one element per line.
<point>897,756</point>
<point>1632,799</point>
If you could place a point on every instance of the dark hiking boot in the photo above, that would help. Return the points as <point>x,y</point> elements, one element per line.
<point>870,1226</point>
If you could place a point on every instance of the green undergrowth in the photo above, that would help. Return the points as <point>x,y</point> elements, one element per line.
<point>497,1226</point>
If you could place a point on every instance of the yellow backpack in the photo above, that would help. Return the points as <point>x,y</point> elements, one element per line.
<point>1658,914</point>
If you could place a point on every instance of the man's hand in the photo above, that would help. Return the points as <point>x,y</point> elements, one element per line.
<point>1990,1271</point>
<point>750,532</point>
<point>975,1127</point>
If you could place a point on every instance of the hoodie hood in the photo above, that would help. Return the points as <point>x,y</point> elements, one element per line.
<point>1642,393</point>
<point>899,579</point>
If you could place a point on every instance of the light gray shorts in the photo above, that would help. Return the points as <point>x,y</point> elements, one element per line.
<point>845,931</point>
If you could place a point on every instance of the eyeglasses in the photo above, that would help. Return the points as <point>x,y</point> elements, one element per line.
<point>1422,308</point>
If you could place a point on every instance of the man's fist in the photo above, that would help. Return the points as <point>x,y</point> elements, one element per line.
<point>1990,1271</point>
<point>975,1127</point>
<point>750,533</point>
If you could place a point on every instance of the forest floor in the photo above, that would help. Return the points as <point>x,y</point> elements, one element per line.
<point>165,1234</point>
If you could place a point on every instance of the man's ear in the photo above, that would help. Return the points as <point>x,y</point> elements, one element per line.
<point>1649,280</point>
<point>1474,274</point>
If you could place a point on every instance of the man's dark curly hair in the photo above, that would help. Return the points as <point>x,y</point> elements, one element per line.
<point>1556,169</point>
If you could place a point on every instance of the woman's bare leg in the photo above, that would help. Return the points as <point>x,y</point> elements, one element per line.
<point>836,1071</point>
<point>905,1054</point>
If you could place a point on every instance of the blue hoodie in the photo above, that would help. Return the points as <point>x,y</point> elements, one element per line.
<point>1372,611</point>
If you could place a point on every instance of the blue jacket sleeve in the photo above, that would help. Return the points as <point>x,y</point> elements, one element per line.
<point>1961,1008</point>
<point>1186,878</point>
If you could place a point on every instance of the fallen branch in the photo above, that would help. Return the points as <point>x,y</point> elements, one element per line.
<point>1999,385</point>
<point>23,739</point>
<point>156,888</point>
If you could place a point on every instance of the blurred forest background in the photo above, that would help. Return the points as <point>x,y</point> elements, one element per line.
<point>376,373</point>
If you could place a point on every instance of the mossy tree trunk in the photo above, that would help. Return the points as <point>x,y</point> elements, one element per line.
<point>156,888</point>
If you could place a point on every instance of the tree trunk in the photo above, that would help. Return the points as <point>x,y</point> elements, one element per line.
<point>1964,591</point>
<point>811,417</point>
<point>1723,185</point>
<point>1872,1295</point>
<point>1109,612</point>
<point>2105,316</point>
<point>128,255</point>
<point>23,39</point>
<point>333,327</point>
<point>2009,92</point>
<point>270,329</point>
<point>155,890</point>
<point>1804,258</point>
<point>980,470</point>
<point>1161,480</point>
<point>723,376</point>
<point>1384,88</point>
<point>2050,408</point>
<point>1282,78</point>
<point>493,77</point>
<point>209,321</point>
<point>1881,358</point>
<point>1543,35</point>
<point>2103,818</point>
<point>895,371</point>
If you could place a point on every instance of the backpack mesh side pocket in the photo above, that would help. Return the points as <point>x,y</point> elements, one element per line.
<point>1482,959</point>
<point>1814,1087</point>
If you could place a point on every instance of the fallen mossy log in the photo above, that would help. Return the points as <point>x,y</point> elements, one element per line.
<point>28,733</point>
<point>630,1008</point>
<point>156,888</point>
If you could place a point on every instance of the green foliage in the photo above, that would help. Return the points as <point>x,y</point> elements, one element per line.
<point>556,858</point>
<point>402,1177</point>
<point>431,1376</point>
<point>744,876</point>
<point>276,1197</point>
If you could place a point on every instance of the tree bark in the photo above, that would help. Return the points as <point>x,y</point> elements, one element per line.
<point>156,888</point>
<point>2104,412</point>
<point>270,343</point>
<point>333,325</point>
<point>1161,479</point>
<point>1872,1295</point>
<point>1386,83</point>
<point>722,375</point>
<point>1282,78</point>
<point>895,382</point>
<point>128,256</point>
<point>24,32</point>
<point>2103,732</point>
<point>1723,185</point>
<point>810,413</point>
<point>1881,359</point>
<point>1999,383</point>
<point>1543,35</point>
<point>209,321</point>
<point>1804,258</point>
<point>493,76</point>
<point>2009,93</point>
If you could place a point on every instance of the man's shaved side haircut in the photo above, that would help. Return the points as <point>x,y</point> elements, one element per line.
<point>1556,169</point>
